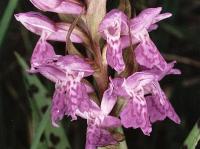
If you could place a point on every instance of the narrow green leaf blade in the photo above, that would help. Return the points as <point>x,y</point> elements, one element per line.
<point>193,137</point>
<point>5,20</point>
<point>40,129</point>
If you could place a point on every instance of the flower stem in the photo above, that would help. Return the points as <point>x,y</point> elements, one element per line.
<point>101,75</point>
<point>123,144</point>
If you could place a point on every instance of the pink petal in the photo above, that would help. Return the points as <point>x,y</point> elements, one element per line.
<point>56,68</point>
<point>148,55</point>
<point>110,121</point>
<point>98,137</point>
<point>144,19</point>
<point>42,51</point>
<point>158,111</point>
<point>135,115</point>
<point>58,107</point>
<point>36,22</point>
<point>147,19</point>
<point>74,63</point>
<point>39,24</point>
<point>71,99</point>
<point>50,72</point>
<point>167,71</point>
<point>114,56</point>
<point>161,17</point>
<point>108,101</point>
<point>48,3</point>
<point>152,27</point>
<point>59,6</point>
<point>61,33</point>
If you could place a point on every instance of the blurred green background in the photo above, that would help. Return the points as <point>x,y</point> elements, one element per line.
<point>24,98</point>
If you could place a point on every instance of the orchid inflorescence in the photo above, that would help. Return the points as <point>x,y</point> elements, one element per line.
<point>132,97</point>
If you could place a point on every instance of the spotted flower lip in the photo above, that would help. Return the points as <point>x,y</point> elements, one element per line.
<point>70,99</point>
<point>38,23</point>
<point>59,6</point>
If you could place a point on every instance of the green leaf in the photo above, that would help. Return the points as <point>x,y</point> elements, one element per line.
<point>41,123</point>
<point>40,129</point>
<point>193,137</point>
<point>5,20</point>
<point>95,13</point>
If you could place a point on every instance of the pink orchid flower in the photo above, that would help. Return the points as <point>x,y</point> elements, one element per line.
<point>146,103</point>
<point>115,30</point>
<point>70,96</point>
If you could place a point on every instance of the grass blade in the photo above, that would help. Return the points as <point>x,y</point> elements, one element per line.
<point>193,137</point>
<point>5,20</point>
<point>40,129</point>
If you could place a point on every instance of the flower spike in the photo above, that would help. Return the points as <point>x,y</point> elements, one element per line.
<point>134,101</point>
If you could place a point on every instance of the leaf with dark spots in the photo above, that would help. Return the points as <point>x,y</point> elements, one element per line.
<point>54,139</point>
<point>32,90</point>
<point>44,109</point>
<point>48,95</point>
<point>42,139</point>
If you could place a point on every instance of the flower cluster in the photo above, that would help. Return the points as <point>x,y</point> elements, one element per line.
<point>144,102</point>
